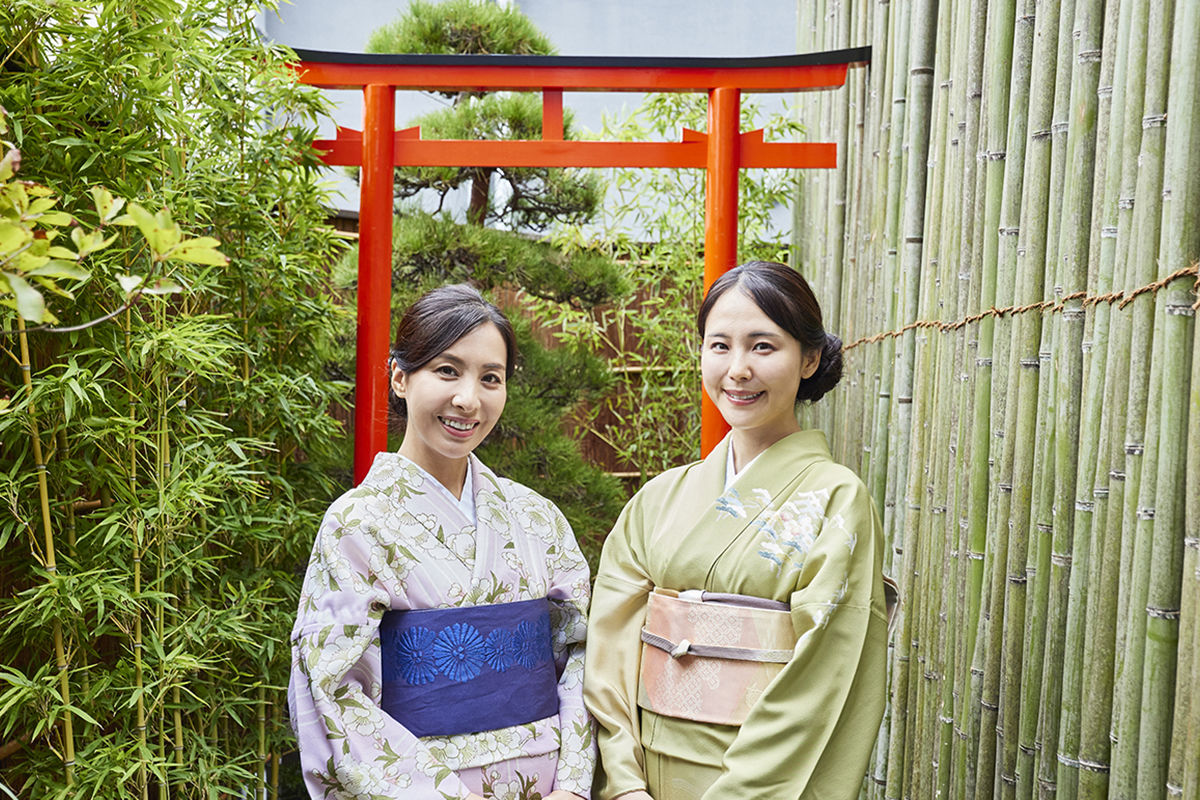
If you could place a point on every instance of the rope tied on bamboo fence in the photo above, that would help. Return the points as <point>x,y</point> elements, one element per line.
<point>1052,306</point>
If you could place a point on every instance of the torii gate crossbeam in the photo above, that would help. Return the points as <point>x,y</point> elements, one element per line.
<point>722,151</point>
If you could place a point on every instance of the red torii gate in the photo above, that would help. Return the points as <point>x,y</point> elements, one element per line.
<point>379,147</point>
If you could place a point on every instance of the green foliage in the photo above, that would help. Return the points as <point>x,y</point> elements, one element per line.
<point>538,197</point>
<point>433,248</point>
<point>650,336</point>
<point>461,27</point>
<point>186,439</point>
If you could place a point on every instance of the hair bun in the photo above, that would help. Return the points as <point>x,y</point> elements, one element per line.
<point>828,374</point>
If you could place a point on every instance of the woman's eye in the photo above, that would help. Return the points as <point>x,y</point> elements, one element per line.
<point>719,347</point>
<point>492,379</point>
<point>764,347</point>
<point>446,370</point>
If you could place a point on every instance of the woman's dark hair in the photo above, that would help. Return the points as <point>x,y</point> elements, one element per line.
<point>789,302</point>
<point>436,321</point>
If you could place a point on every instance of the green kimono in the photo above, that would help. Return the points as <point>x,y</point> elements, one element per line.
<point>793,527</point>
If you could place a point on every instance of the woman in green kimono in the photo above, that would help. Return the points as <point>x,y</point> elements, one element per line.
<point>740,599</point>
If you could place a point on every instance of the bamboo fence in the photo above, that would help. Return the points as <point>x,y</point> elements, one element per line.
<point>1009,250</point>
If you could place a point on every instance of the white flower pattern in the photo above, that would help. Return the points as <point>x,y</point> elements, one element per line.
<point>791,529</point>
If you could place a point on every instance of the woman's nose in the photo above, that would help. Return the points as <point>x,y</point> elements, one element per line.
<point>739,366</point>
<point>466,398</point>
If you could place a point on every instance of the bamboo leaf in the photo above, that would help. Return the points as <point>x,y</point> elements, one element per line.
<point>12,237</point>
<point>107,206</point>
<point>199,251</point>
<point>61,269</point>
<point>129,283</point>
<point>30,304</point>
<point>9,164</point>
<point>163,286</point>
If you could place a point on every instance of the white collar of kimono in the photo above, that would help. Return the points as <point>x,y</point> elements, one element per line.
<point>730,473</point>
<point>465,502</point>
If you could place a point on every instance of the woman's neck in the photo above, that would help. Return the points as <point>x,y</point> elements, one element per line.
<point>749,444</point>
<point>451,474</point>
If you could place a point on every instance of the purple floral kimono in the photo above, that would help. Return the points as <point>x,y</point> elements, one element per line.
<point>401,541</point>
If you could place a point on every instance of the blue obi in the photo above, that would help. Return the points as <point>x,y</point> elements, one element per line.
<point>470,669</point>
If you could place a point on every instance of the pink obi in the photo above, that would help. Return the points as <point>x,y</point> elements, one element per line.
<point>708,657</point>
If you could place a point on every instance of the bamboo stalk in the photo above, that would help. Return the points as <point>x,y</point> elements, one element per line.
<point>1176,508</point>
<point>1161,499</point>
<point>972,539</point>
<point>1140,440</point>
<point>1024,636</point>
<point>894,510</point>
<point>1001,32</point>
<point>1056,538</point>
<point>1092,485</point>
<point>930,403</point>
<point>51,564</point>
<point>1073,252</point>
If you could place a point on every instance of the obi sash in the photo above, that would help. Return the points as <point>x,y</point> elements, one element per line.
<point>708,657</point>
<point>463,670</point>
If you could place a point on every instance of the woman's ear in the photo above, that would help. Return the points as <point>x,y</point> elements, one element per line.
<point>398,379</point>
<point>809,363</point>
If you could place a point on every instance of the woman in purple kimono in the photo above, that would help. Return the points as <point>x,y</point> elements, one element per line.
<point>438,649</point>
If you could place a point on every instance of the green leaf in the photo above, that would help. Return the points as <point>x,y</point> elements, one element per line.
<point>8,163</point>
<point>199,251</point>
<point>107,206</point>
<point>61,269</point>
<point>30,304</point>
<point>55,218</point>
<point>129,283</point>
<point>163,286</point>
<point>144,220</point>
<point>12,237</point>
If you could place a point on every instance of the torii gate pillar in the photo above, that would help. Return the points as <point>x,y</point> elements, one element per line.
<point>374,276</point>
<point>720,221</point>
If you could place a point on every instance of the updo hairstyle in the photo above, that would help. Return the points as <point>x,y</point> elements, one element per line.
<point>786,298</point>
<point>433,324</point>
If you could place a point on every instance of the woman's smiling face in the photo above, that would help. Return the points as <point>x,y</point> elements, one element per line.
<point>454,400</point>
<point>751,369</point>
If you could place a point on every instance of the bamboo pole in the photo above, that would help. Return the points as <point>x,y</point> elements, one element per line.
<point>1161,502</point>
<point>971,536</point>
<point>1001,32</point>
<point>1024,641</point>
<point>891,434</point>
<point>1010,572</point>
<point>1140,440</point>
<point>51,563</point>
<point>1092,485</point>
<point>1073,251</point>
<point>926,487</point>
<point>1176,514</point>
<point>1055,536</point>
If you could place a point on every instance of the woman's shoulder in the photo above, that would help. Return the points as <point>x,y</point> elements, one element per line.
<point>512,491</point>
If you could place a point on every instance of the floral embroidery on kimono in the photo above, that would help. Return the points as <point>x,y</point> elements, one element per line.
<point>400,541</point>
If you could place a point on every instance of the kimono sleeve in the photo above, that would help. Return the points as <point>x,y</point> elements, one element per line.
<point>611,683</point>
<point>815,725</point>
<point>349,748</point>
<point>569,594</point>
